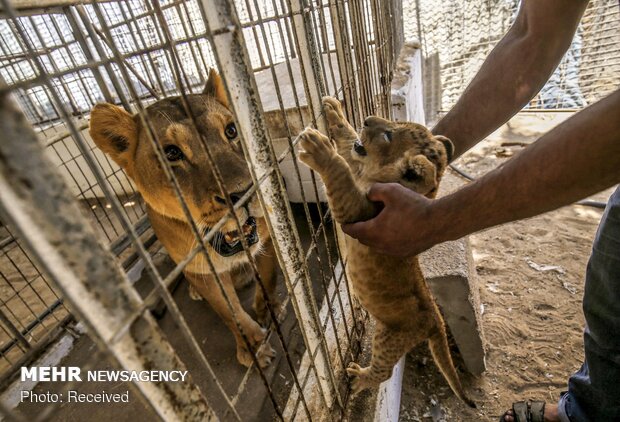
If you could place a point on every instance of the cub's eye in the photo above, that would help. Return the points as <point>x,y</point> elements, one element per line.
<point>387,135</point>
<point>173,153</point>
<point>230,131</point>
<point>411,175</point>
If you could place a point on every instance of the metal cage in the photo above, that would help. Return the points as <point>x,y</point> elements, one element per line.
<point>74,233</point>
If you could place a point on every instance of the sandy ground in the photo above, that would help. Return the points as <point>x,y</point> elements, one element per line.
<point>530,277</point>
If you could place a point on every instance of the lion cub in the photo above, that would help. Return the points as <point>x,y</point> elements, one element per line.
<point>392,289</point>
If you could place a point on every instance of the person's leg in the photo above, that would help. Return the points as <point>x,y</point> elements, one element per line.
<point>594,391</point>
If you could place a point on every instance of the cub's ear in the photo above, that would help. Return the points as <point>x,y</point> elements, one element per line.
<point>447,144</point>
<point>115,133</point>
<point>215,88</point>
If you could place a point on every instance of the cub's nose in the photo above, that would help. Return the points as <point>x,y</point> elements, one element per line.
<point>373,121</point>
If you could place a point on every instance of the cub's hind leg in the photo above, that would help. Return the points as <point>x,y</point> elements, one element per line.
<point>388,346</point>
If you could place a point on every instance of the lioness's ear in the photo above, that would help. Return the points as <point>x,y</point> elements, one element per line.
<point>447,144</point>
<point>115,133</point>
<point>215,88</point>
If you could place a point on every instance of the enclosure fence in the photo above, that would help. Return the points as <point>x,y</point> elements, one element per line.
<point>457,36</point>
<point>74,230</point>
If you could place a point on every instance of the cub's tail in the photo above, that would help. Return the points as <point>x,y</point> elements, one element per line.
<point>438,343</point>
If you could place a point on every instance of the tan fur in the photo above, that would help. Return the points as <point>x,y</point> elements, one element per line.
<point>392,289</point>
<point>129,143</point>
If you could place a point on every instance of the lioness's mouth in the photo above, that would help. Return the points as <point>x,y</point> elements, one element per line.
<point>229,243</point>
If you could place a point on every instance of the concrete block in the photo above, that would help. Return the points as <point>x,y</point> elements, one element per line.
<point>449,273</point>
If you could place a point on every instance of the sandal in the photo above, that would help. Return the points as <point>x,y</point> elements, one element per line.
<point>530,411</point>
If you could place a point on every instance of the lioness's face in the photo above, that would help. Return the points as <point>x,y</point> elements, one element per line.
<point>402,152</point>
<point>128,141</point>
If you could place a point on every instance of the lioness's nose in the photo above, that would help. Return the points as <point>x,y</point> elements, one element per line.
<point>234,196</point>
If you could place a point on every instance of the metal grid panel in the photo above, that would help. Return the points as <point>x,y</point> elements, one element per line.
<point>457,36</point>
<point>132,53</point>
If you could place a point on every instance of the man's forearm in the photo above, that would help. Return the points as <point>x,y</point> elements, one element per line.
<point>576,159</point>
<point>514,71</point>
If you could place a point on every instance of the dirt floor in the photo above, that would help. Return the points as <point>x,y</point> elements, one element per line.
<point>530,277</point>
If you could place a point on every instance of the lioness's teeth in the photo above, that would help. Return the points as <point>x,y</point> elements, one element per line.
<point>230,238</point>
<point>247,229</point>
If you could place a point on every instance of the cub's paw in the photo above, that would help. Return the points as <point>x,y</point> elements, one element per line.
<point>361,379</point>
<point>333,111</point>
<point>337,124</point>
<point>317,151</point>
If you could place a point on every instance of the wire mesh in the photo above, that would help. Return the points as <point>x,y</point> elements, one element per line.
<point>457,36</point>
<point>59,64</point>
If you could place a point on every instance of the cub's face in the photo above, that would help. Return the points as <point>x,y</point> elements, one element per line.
<point>127,141</point>
<point>402,152</point>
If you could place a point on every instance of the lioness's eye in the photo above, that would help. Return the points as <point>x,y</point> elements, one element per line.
<point>387,135</point>
<point>230,131</point>
<point>173,153</point>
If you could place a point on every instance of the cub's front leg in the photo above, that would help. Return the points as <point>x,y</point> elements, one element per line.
<point>340,130</point>
<point>347,202</point>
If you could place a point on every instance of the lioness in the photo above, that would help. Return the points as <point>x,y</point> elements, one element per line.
<point>124,138</point>
<point>392,289</point>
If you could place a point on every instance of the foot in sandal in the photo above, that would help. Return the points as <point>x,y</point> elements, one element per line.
<point>531,411</point>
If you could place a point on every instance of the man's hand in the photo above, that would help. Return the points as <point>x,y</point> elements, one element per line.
<point>404,227</point>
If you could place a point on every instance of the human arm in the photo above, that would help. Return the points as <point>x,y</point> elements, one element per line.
<point>514,71</point>
<point>578,158</point>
